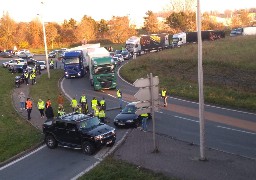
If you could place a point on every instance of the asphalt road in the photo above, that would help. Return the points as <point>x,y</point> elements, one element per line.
<point>227,130</point>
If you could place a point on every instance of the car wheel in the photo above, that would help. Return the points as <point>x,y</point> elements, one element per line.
<point>88,148</point>
<point>51,142</point>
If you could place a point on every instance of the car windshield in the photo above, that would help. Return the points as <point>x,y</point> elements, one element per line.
<point>41,62</point>
<point>124,52</point>
<point>104,69</point>
<point>129,109</point>
<point>71,60</point>
<point>89,124</point>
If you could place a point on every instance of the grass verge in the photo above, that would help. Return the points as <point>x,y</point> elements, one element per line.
<point>116,169</point>
<point>16,135</point>
<point>229,71</point>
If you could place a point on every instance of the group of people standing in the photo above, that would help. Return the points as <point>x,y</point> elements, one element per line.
<point>45,109</point>
<point>98,107</point>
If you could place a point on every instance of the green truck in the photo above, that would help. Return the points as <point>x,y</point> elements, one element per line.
<point>102,69</point>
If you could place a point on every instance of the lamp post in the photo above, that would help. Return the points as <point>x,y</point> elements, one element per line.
<point>45,46</point>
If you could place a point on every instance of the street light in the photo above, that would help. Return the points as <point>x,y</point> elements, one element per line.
<point>45,46</point>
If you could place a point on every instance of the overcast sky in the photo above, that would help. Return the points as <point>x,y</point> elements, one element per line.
<point>59,10</point>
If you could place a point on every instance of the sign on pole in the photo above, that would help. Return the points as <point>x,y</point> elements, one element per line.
<point>148,95</point>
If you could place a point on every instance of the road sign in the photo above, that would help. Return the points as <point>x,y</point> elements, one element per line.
<point>144,94</point>
<point>146,82</point>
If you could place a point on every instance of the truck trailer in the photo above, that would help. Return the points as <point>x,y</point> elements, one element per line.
<point>147,43</point>
<point>102,69</point>
<point>244,31</point>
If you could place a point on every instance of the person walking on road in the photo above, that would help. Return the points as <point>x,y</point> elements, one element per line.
<point>49,112</point>
<point>33,77</point>
<point>22,98</point>
<point>40,106</point>
<point>119,96</point>
<point>164,96</point>
<point>29,106</point>
<point>144,121</point>
<point>74,104</point>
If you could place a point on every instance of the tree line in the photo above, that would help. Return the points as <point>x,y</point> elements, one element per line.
<point>116,30</point>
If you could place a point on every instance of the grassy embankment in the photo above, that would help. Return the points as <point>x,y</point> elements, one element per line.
<point>16,135</point>
<point>229,71</point>
<point>116,169</point>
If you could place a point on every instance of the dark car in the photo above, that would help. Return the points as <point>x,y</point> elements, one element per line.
<point>77,130</point>
<point>127,116</point>
<point>6,55</point>
<point>17,68</point>
<point>126,55</point>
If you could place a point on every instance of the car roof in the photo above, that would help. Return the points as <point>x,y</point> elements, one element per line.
<point>74,117</point>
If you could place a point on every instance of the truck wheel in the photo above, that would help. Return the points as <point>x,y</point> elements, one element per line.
<point>51,142</point>
<point>88,148</point>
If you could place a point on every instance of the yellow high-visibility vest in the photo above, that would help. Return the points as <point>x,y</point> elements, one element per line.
<point>102,114</point>
<point>83,98</point>
<point>163,93</point>
<point>40,105</point>
<point>74,103</point>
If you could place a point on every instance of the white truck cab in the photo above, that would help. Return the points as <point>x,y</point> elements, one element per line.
<point>133,45</point>
<point>179,39</point>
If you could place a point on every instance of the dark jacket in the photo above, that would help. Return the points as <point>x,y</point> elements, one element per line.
<point>49,112</point>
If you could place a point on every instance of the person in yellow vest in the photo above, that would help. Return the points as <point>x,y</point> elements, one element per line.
<point>40,106</point>
<point>119,96</point>
<point>61,110</point>
<point>33,77</point>
<point>94,103</point>
<point>74,104</point>
<point>144,121</point>
<point>84,105</point>
<point>26,75</point>
<point>164,96</point>
<point>102,115</point>
<point>78,109</point>
<point>96,111</point>
<point>103,104</point>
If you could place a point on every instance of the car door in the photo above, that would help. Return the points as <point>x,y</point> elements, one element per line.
<point>60,131</point>
<point>73,136</point>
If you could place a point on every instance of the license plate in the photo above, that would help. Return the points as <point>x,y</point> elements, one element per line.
<point>73,76</point>
<point>109,142</point>
<point>121,124</point>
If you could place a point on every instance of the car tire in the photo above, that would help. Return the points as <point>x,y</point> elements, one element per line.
<point>51,142</point>
<point>88,148</point>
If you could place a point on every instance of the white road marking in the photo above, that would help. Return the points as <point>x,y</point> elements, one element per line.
<point>247,132</point>
<point>21,158</point>
<point>187,119</point>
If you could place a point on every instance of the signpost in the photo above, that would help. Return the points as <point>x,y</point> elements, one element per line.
<point>148,97</point>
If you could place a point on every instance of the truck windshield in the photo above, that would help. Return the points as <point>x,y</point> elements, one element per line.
<point>104,69</point>
<point>129,45</point>
<point>89,124</point>
<point>71,60</point>
<point>175,39</point>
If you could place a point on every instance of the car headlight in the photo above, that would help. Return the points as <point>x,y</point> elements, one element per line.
<point>115,120</point>
<point>66,72</point>
<point>99,137</point>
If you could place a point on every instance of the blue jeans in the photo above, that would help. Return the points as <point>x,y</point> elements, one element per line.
<point>144,123</point>
<point>22,105</point>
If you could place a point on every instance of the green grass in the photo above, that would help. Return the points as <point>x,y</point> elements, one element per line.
<point>115,169</point>
<point>229,71</point>
<point>16,135</point>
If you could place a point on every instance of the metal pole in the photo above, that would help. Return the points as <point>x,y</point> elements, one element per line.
<point>45,47</point>
<point>200,84</point>
<point>153,113</point>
